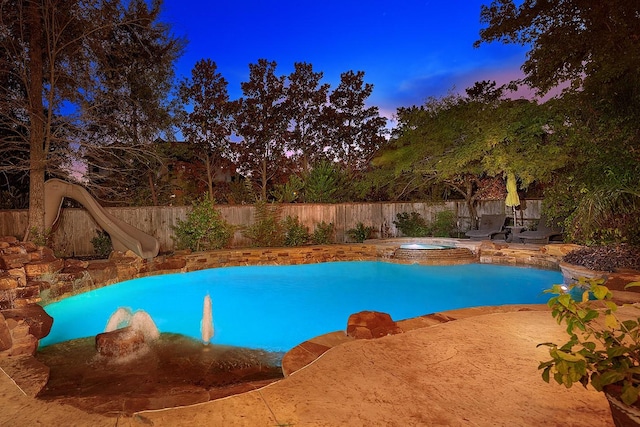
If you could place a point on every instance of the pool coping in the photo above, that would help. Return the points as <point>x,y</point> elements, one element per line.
<point>309,351</point>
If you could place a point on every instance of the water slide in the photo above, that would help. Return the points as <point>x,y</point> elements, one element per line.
<point>123,236</point>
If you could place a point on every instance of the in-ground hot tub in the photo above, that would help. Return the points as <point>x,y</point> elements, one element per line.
<point>424,246</point>
<point>434,254</point>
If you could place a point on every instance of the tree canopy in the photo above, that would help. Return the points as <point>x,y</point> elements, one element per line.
<point>82,79</point>
<point>209,124</point>
<point>593,49</point>
<point>466,143</point>
<point>262,122</point>
<point>306,99</point>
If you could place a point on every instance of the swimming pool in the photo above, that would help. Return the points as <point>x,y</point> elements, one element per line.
<point>278,307</point>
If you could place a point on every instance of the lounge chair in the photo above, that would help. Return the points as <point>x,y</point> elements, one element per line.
<point>489,227</point>
<point>543,234</point>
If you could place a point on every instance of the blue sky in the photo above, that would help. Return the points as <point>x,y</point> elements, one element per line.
<point>409,49</point>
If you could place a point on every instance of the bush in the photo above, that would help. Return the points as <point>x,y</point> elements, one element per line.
<point>322,183</point>
<point>323,234</point>
<point>204,229</point>
<point>444,224</point>
<point>412,225</point>
<point>289,191</point>
<point>40,238</point>
<point>360,233</point>
<point>102,244</point>
<point>295,233</point>
<point>267,230</point>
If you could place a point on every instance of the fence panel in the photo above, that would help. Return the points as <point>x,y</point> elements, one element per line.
<point>240,216</point>
<point>73,234</point>
<point>14,222</point>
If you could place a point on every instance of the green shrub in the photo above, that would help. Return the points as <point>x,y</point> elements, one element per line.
<point>295,233</point>
<point>267,229</point>
<point>412,225</point>
<point>444,224</point>
<point>323,234</point>
<point>40,238</point>
<point>360,233</point>
<point>102,244</point>
<point>204,229</point>
<point>290,191</point>
<point>322,183</point>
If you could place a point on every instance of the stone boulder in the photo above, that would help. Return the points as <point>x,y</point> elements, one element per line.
<point>120,342</point>
<point>34,316</point>
<point>371,324</point>
<point>36,269</point>
<point>22,342</point>
<point>21,328</point>
<point>5,335</point>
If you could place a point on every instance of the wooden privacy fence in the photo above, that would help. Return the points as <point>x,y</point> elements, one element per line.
<point>72,235</point>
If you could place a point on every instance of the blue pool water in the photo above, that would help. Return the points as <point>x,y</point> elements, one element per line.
<point>278,307</point>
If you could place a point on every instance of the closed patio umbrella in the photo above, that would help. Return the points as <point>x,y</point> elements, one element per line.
<point>513,199</point>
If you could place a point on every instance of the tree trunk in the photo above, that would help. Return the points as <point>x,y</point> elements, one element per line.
<point>152,187</point>
<point>264,180</point>
<point>470,199</point>
<point>209,176</point>
<point>466,191</point>
<point>37,155</point>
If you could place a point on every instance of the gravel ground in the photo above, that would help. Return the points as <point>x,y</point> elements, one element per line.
<point>606,258</point>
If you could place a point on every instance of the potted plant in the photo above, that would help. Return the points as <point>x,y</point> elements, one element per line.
<point>603,350</point>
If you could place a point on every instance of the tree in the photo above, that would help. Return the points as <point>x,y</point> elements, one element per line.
<point>470,143</point>
<point>209,124</point>
<point>354,132</point>
<point>56,73</point>
<point>262,123</point>
<point>592,46</point>
<point>129,109</point>
<point>594,49</point>
<point>306,98</point>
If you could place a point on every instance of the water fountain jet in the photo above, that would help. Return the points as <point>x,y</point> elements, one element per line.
<point>206,325</point>
<point>127,335</point>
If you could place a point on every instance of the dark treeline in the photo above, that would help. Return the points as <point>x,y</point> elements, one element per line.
<point>88,92</point>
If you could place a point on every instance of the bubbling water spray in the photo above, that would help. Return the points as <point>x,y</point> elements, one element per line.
<point>206,325</point>
<point>119,319</point>
<point>140,320</point>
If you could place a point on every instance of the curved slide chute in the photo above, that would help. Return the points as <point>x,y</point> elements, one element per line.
<point>123,236</point>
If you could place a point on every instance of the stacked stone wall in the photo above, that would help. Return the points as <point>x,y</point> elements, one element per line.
<point>22,264</point>
<point>31,274</point>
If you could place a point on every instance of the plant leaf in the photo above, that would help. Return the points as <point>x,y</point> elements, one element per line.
<point>569,357</point>
<point>606,378</point>
<point>599,291</point>
<point>630,325</point>
<point>611,321</point>
<point>611,305</point>
<point>616,351</point>
<point>545,373</point>
<point>629,394</point>
<point>585,296</point>
<point>591,314</point>
<point>565,300</point>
